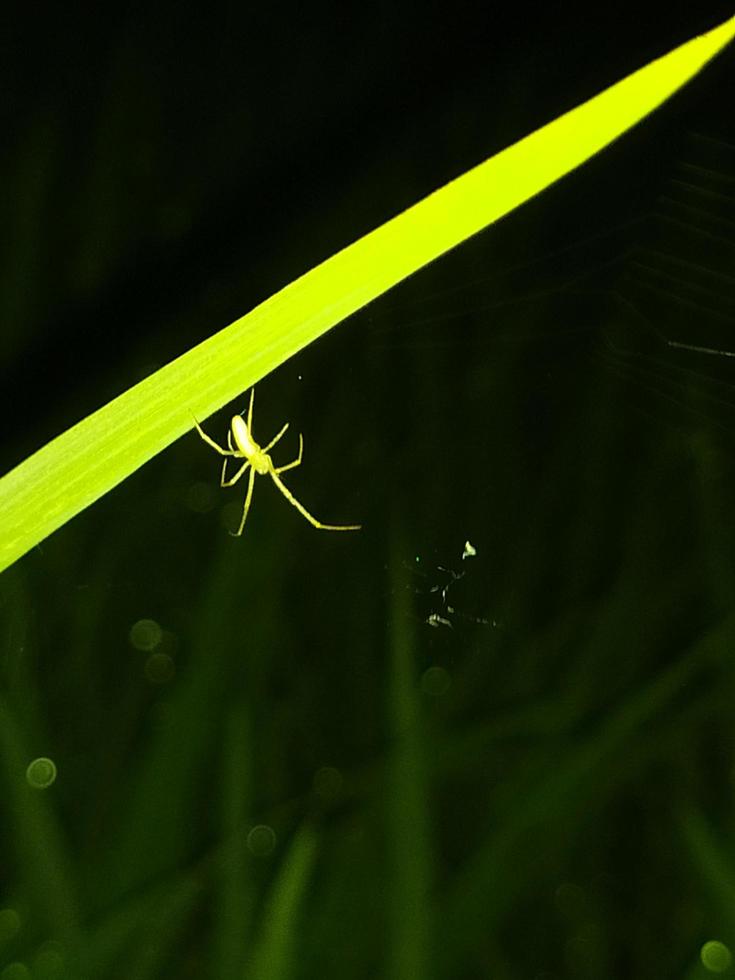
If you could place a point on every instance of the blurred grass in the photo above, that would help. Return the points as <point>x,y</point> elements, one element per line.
<point>235,896</point>
<point>152,839</point>
<point>38,847</point>
<point>409,858</point>
<point>275,951</point>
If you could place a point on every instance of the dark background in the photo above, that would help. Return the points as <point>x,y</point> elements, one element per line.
<point>367,756</point>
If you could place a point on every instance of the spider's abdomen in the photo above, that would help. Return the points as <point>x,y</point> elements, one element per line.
<point>243,440</point>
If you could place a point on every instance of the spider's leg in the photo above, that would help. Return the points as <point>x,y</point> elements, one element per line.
<point>305,513</point>
<point>246,508</point>
<point>233,480</point>
<point>211,442</point>
<point>275,439</point>
<point>250,411</point>
<point>296,462</point>
<point>224,464</point>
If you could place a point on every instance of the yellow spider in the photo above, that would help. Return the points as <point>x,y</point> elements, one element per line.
<point>259,461</point>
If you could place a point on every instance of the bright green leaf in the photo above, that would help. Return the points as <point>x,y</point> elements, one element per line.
<point>92,457</point>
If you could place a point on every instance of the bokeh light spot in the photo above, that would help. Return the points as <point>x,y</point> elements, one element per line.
<point>715,956</point>
<point>9,924</point>
<point>41,773</point>
<point>48,963</point>
<point>582,951</point>
<point>201,497</point>
<point>230,515</point>
<point>16,971</point>
<point>261,840</point>
<point>146,634</point>
<point>159,668</point>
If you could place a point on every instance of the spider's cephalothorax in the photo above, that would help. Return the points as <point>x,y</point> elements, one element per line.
<point>242,445</point>
<point>249,449</point>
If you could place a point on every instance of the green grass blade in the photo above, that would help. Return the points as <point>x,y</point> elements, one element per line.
<point>92,457</point>
<point>557,787</point>
<point>275,950</point>
<point>171,776</point>
<point>235,885</point>
<point>713,860</point>
<point>32,826</point>
<point>136,938</point>
<point>164,931</point>
<point>407,798</point>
